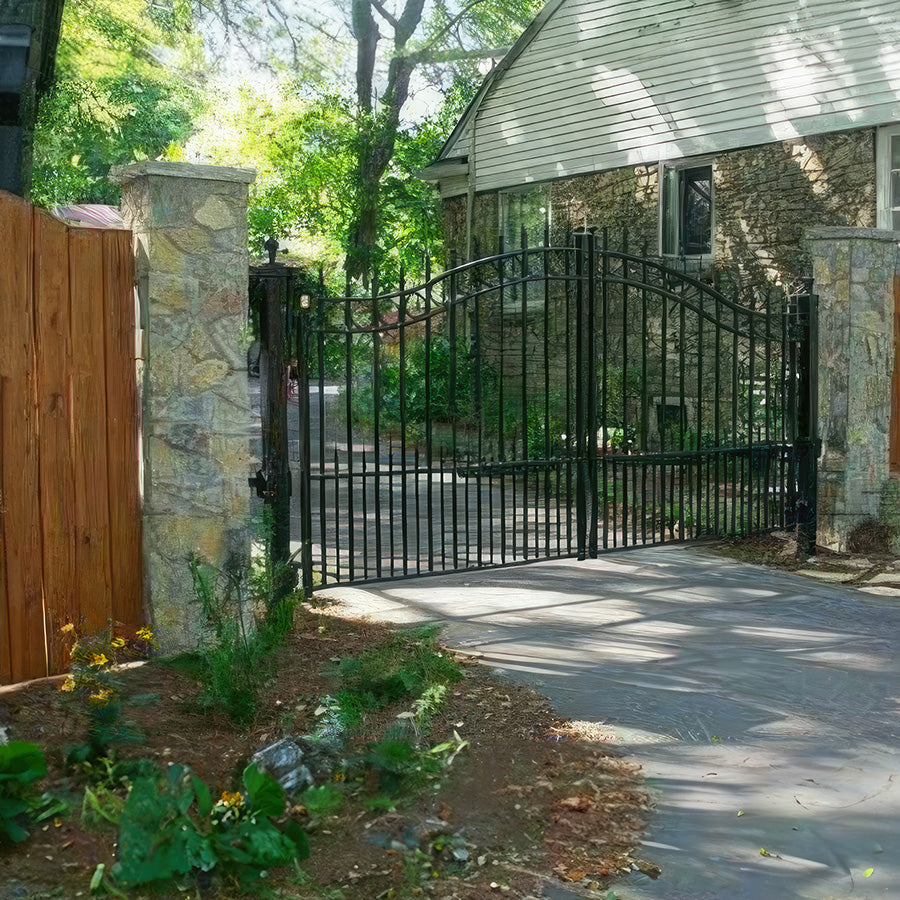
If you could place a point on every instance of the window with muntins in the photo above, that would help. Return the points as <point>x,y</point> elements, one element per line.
<point>524,209</point>
<point>888,154</point>
<point>687,209</point>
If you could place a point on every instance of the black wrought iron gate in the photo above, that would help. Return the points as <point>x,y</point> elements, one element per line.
<point>546,402</point>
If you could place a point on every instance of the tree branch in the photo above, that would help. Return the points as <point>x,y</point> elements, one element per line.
<point>443,32</point>
<point>385,14</point>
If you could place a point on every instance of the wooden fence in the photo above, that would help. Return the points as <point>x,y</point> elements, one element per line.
<point>70,519</point>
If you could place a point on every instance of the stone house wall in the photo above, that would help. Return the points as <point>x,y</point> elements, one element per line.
<point>764,197</point>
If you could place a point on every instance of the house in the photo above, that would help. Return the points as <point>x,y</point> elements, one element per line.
<point>715,131</point>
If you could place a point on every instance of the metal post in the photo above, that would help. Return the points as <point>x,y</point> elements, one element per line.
<point>273,482</point>
<point>585,474</point>
<point>304,352</point>
<point>807,420</point>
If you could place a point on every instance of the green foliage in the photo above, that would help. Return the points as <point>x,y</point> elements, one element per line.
<point>236,659</point>
<point>120,95</point>
<point>92,684</point>
<point>406,665</point>
<point>108,782</point>
<point>302,149</point>
<point>21,766</point>
<point>170,826</point>
<point>430,390</point>
<point>400,763</point>
<point>322,800</point>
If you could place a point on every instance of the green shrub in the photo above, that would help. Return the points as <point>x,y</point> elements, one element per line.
<point>92,683</point>
<point>323,800</point>
<point>170,827</point>
<point>398,763</point>
<point>401,763</point>
<point>22,765</point>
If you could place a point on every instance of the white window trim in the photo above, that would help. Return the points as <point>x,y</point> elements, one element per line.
<point>883,174</point>
<point>675,165</point>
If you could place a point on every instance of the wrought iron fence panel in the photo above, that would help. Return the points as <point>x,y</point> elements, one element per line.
<point>546,402</point>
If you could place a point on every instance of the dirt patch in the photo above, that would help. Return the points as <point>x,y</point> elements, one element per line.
<point>531,798</point>
<point>866,559</point>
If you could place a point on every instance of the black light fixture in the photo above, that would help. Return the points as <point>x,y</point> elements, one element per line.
<point>15,45</point>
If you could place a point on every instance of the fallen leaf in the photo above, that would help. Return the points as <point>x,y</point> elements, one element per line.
<point>868,873</point>
<point>576,804</point>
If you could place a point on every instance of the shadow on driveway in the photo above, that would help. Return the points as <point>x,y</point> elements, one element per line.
<point>764,707</point>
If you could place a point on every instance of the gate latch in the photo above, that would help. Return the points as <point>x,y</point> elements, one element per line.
<point>263,491</point>
<point>259,482</point>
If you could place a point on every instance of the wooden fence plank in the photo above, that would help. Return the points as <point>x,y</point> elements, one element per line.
<point>123,429</point>
<point>70,506</point>
<point>22,647</point>
<point>57,477</point>
<point>93,586</point>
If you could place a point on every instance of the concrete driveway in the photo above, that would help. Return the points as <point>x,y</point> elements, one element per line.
<point>764,707</point>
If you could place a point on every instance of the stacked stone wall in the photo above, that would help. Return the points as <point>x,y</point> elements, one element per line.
<point>766,196</point>
<point>624,200</point>
<point>190,228</point>
<point>856,280</point>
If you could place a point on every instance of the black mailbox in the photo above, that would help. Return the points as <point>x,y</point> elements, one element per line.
<point>15,44</point>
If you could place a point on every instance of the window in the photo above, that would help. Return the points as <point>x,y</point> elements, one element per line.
<point>686,215</point>
<point>888,160</point>
<point>524,208</point>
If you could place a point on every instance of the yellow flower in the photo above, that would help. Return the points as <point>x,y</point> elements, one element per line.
<point>231,798</point>
<point>103,696</point>
<point>68,628</point>
<point>98,659</point>
<point>118,643</point>
<point>144,634</point>
<point>68,685</point>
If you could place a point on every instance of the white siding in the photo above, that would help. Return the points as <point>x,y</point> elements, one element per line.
<point>609,84</point>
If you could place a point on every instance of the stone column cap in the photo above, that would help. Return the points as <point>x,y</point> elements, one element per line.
<point>133,171</point>
<point>845,232</point>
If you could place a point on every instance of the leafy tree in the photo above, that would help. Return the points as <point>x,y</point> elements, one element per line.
<point>120,95</point>
<point>451,34</point>
<point>369,57</point>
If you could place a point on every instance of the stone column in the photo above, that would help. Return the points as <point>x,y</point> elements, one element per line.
<point>190,228</point>
<point>855,271</point>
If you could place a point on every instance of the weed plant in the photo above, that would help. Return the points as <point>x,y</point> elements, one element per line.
<point>407,665</point>
<point>246,614</point>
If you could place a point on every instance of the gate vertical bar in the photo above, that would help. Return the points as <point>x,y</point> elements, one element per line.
<point>376,424</point>
<point>404,499</point>
<point>581,431</point>
<point>320,450</point>
<point>305,462</point>
<point>523,276</point>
